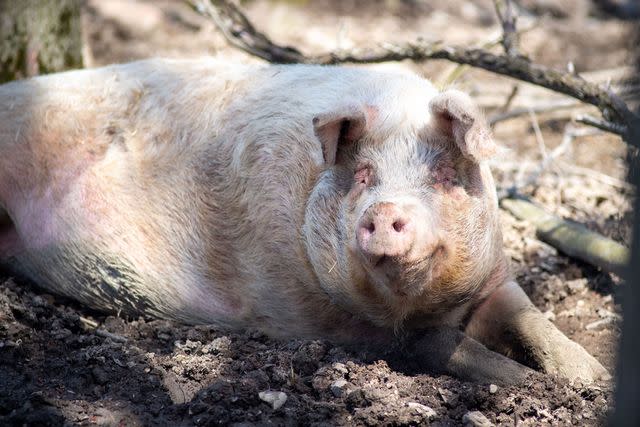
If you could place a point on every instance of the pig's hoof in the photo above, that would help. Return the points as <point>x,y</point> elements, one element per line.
<point>571,361</point>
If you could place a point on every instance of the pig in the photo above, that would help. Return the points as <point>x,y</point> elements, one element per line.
<point>348,204</point>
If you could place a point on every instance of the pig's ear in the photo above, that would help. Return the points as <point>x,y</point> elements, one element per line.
<point>340,127</point>
<point>457,117</point>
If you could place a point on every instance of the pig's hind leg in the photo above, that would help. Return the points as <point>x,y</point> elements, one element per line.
<point>509,323</point>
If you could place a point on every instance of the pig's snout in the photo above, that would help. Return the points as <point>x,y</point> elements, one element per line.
<point>385,230</point>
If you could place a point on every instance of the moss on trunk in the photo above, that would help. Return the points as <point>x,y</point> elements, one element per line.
<point>39,37</point>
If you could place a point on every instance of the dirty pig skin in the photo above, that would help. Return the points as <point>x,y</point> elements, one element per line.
<point>348,204</point>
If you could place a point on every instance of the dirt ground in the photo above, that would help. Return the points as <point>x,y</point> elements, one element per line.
<point>61,364</point>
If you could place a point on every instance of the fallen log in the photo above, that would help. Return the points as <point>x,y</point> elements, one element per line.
<point>571,238</point>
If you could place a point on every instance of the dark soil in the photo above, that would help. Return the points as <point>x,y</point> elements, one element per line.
<point>61,364</point>
<point>57,369</point>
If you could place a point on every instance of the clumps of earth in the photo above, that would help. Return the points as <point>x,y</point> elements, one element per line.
<point>61,364</point>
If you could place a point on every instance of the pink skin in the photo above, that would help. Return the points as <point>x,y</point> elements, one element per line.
<point>445,179</point>
<point>392,238</point>
<point>385,230</point>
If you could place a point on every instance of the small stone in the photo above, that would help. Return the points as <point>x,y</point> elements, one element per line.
<point>493,388</point>
<point>599,323</point>
<point>217,346</point>
<point>341,368</point>
<point>446,395</point>
<point>543,413</point>
<point>576,285</point>
<point>356,399</point>
<point>38,301</point>
<point>99,375</point>
<point>338,387</point>
<point>476,419</point>
<point>275,398</point>
<point>164,337</point>
<point>604,313</point>
<point>423,410</point>
<point>62,333</point>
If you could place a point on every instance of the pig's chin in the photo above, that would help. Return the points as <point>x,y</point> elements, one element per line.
<point>400,279</point>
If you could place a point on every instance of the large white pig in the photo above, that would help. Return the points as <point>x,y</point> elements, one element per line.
<point>349,204</point>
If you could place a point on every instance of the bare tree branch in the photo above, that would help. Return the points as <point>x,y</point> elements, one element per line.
<point>601,124</point>
<point>521,111</point>
<point>508,20</point>
<point>241,33</point>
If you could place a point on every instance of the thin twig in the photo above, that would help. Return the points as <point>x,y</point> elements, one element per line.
<point>597,176</point>
<point>553,158</point>
<point>538,133</point>
<point>241,33</point>
<point>93,325</point>
<point>601,124</point>
<point>549,159</point>
<point>512,95</point>
<point>518,112</point>
<point>460,69</point>
<point>508,21</point>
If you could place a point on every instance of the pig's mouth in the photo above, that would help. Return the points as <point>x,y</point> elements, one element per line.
<point>381,261</point>
<point>390,270</point>
<point>404,276</point>
<point>396,276</point>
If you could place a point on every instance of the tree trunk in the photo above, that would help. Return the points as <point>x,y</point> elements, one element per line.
<point>39,37</point>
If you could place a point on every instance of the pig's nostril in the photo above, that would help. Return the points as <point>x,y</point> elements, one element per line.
<point>398,226</point>
<point>371,227</point>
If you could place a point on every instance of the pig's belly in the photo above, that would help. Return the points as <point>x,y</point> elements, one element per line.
<point>113,265</point>
<point>99,279</point>
<point>77,246</point>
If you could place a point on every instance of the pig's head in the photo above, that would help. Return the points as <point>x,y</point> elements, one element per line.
<point>403,220</point>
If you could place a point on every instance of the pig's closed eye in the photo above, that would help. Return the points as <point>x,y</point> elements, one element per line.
<point>363,175</point>
<point>444,175</point>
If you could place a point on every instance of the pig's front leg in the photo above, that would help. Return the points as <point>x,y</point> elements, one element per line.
<point>448,350</point>
<point>509,323</point>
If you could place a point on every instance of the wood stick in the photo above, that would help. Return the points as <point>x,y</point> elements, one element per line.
<point>522,111</point>
<point>508,20</point>
<point>571,238</point>
<point>601,124</point>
